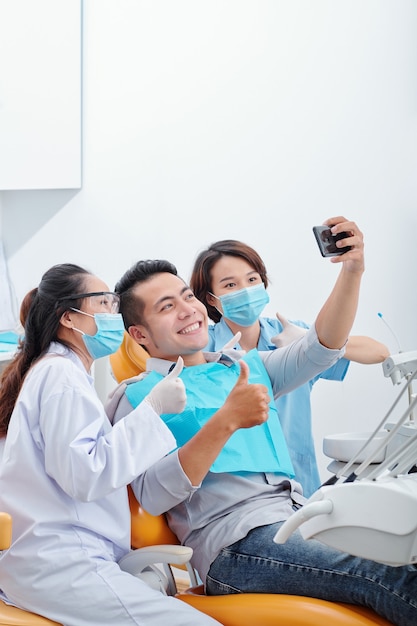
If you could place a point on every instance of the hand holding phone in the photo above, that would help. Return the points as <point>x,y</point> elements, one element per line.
<point>327,242</point>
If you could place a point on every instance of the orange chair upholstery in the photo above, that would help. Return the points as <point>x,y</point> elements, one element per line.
<point>264,609</point>
<point>147,529</point>
<point>5,531</point>
<point>129,359</point>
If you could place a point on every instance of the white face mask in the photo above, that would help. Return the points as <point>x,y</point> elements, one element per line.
<point>244,306</point>
<point>109,335</point>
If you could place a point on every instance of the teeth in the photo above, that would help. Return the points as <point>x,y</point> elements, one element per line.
<point>190,329</point>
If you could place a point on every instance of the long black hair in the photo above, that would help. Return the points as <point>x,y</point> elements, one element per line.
<point>40,314</point>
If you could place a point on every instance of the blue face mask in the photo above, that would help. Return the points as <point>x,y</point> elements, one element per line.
<point>109,335</point>
<point>244,306</point>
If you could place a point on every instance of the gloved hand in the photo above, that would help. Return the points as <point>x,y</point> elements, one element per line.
<point>232,342</point>
<point>169,396</point>
<point>229,347</point>
<point>290,332</point>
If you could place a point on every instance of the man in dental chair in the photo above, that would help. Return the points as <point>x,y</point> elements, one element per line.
<point>229,486</point>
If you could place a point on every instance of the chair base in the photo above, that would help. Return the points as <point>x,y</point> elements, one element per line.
<point>246,608</point>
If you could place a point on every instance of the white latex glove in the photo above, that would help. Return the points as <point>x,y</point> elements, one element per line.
<point>290,332</point>
<point>229,347</point>
<point>232,342</point>
<point>169,396</point>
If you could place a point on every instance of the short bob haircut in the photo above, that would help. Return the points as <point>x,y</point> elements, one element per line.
<point>201,279</point>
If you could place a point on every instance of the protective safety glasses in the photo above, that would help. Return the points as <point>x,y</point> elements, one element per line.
<point>99,301</point>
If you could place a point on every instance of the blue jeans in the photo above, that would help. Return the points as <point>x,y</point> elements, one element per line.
<point>309,568</point>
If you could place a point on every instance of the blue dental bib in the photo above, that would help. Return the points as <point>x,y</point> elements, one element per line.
<point>258,449</point>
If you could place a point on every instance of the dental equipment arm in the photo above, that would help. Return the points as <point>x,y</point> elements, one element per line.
<point>401,365</point>
<point>396,366</point>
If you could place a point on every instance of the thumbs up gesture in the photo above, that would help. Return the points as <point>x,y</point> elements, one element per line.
<point>290,332</point>
<point>248,403</point>
<point>169,396</point>
<point>229,347</point>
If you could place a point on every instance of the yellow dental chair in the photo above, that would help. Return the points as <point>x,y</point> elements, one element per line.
<point>149,532</point>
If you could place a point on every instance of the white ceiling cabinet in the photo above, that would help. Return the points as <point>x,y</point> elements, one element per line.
<point>40,94</point>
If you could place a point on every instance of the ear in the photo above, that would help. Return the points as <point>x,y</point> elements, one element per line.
<point>67,319</point>
<point>211,299</point>
<point>136,332</point>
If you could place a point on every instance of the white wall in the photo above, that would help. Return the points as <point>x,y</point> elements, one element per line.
<point>253,120</point>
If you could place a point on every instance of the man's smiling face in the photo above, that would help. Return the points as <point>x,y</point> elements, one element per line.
<point>174,322</point>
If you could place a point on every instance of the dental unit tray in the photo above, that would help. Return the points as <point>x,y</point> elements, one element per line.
<point>373,512</point>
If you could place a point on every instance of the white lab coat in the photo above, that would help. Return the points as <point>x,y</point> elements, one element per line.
<point>63,477</point>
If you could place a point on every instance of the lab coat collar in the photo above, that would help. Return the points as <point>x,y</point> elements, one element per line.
<point>58,349</point>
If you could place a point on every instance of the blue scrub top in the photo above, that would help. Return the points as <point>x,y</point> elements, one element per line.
<point>294,408</point>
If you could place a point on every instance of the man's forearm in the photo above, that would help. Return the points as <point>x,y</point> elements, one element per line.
<point>335,320</point>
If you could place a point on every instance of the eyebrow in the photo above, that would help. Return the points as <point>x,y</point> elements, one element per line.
<point>166,298</point>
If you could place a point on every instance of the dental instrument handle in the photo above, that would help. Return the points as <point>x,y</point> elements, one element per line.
<point>400,456</point>
<point>407,460</point>
<point>342,472</point>
<point>362,467</point>
<point>309,510</point>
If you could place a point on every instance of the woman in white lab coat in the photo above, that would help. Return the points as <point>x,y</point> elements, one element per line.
<point>64,469</point>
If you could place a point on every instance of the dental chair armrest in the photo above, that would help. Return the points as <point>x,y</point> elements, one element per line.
<point>136,560</point>
<point>142,563</point>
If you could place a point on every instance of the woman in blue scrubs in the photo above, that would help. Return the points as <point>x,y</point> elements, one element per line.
<point>230,278</point>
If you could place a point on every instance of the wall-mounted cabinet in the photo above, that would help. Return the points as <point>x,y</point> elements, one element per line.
<point>40,94</point>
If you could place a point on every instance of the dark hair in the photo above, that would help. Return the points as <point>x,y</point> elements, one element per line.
<point>40,312</point>
<point>201,279</point>
<point>131,304</point>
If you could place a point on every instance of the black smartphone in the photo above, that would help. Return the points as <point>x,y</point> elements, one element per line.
<point>327,242</point>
